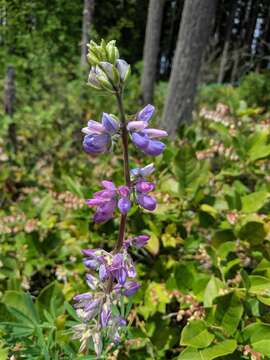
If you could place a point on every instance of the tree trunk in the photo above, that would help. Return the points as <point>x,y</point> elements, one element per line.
<point>151,48</point>
<point>87,18</point>
<point>236,59</point>
<point>9,100</point>
<point>195,29</point>
<point>224,56</point>
<point>251,25</point>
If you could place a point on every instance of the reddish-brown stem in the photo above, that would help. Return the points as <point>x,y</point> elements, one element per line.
<point>124,135</point>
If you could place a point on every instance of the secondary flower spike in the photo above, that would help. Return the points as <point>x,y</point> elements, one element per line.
<point>143,137</point>
<point>99,136</point>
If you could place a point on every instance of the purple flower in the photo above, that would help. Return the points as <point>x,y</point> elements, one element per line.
<point>142,136</point>
<point>110,124</point>
<point>143,172</point>
<point>146,113</point>
<point>96,143</point>
<point>83,297</point>
<point>123,69</point>
<point>144,186</point>
<point>103,273</point>
<point>124,205</point>
<point>131,287</point>
<point>99,136</point>
<point>118,269</point>
<point>105,314</point>
<point>108,199</point>
<point>86,306</point>
<point>137,241</point>
<point>91,263</point>
<point>146,201</point>
<point>122,267</point>
<point>92,281</point>
<point>141,240</point>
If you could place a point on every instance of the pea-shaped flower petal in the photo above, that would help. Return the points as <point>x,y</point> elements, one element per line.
<point>145,186</point>
<point>147,202</point>
<point>110,124</point>
<point>154,148</point>
<point>124,204</point>
<point>123,69</point>
<point>131,287</point>
<point>155,133</point>
<point>146,113</point>
<point>96,143</point>
<point>140,140</point>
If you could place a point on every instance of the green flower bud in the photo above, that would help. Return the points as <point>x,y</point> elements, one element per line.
<point>112,52</point>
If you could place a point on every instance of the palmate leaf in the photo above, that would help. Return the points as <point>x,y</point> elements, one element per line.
<point>51,299</point>
<point>190,172</point>
<point>22,303</point>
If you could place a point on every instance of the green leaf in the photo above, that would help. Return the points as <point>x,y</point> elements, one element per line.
<point>3,352</point>
<point>225,248</point>
<point>259,285</point>
<point>183,277</point>
<point>22,302</point>
<point>252,229</point>
<point>51,299</point>
<point>73,186</point>
<point>228,312</point>
<point>259,148</point>
<point>153,243</point>
<point>70,310</point>
<point>196,334</point>
<point>258,335</point>
<point>254,202</point>
<point>190,172</point>
<point>212,291</point>
<point>155,300</point>
<point>190,353</point>
<point>223,348</point>
<point>209,210</point>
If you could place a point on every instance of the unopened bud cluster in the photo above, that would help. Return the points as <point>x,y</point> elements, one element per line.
<point>108,72</point>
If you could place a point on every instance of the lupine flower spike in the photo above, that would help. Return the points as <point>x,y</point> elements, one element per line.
<point>111,276</point>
